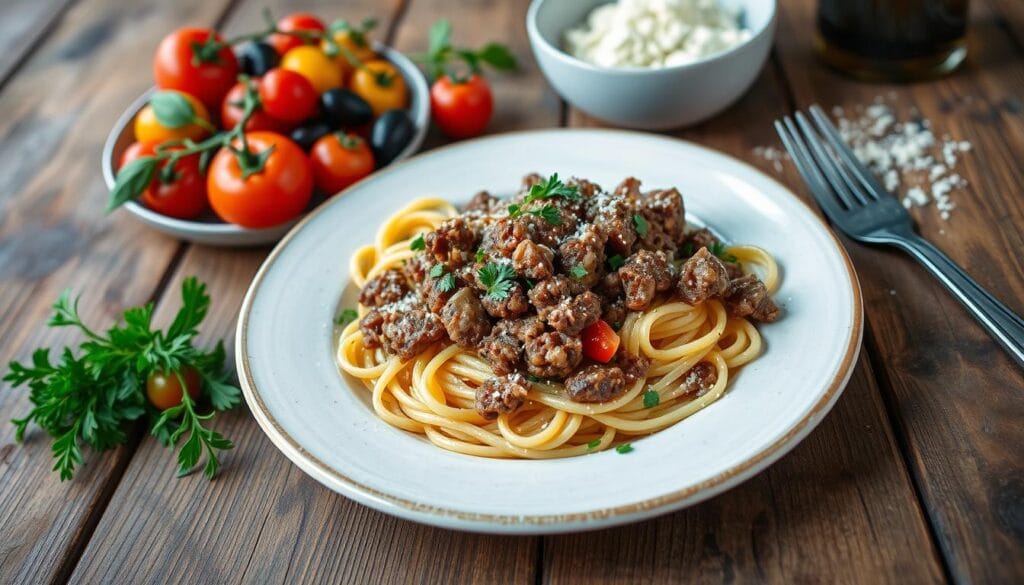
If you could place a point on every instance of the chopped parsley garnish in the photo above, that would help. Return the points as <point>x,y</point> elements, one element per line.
<point>651,399</point>
<point>688,249</point>
<point>641,224</point>
<point>616,261</point>
<point>437,271</point>
<point>418,244</point>
<point>719,249</point>
<point>346,316</point>
<point>480,255</point>
<point>594,444</point>
<point>624,448</point>
<point>578,272</point>
<point>533,378</point>
<point>447,283</point>
<point>552,187</point>
<point>548,213</point>
<point>498,280</point>
<point>530,284</point>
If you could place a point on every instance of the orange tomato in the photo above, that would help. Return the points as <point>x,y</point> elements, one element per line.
<point>164,389</point>
<point>315,66</point>
<point>381,85</point>
<point>340,160</point>
<point>149,129</point>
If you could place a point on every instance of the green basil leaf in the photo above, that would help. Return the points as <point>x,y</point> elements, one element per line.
<point>172,110</point>
<point>498,56</point>
<point>132,181</point>
<point>440,36</point>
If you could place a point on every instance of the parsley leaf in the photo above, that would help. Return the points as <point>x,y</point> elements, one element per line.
<point>447,283</point>
<point>418,244</point>
<point>346,316</point>
<point>651,399</point>
<point>594,444</point>
<point>578,272</point>
<point>688,249</point>
<point>91,397</point>
<point>719,249</point>
<point>548,213</point>
<point>551,187</point>
<point>641,224</point>
<point>480,255</point>
<point>498,280</point>
<point>624,448</point>
<point>616,261</point>
<point>437,271</point>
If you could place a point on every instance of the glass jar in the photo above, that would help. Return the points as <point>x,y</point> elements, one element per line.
<point>892,40</point>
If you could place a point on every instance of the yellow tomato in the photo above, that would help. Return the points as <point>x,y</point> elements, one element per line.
<point>346,41</point>
<point>314,65</point>
<point>148,128</point>
<point>381,85</point>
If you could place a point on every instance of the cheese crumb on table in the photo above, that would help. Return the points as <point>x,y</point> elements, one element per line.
<point>655,33</point>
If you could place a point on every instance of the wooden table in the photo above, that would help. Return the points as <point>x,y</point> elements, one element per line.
<point>916,476</point>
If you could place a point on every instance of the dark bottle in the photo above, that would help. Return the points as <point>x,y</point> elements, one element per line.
<point>892,40</point>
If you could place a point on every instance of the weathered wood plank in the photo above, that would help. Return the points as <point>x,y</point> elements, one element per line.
<point>263,520</point>
<point>840,508</point>
<point>955,396</point>
<point>54,233</point>
<point>24,25</point>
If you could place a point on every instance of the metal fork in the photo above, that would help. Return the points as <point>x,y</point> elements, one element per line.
<point>857,204</point>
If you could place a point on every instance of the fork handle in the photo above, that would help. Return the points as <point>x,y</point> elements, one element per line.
<point>1006,327</point>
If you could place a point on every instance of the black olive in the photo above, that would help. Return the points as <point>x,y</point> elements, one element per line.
<point>345,109</point>
<point>256,58</point>
<point>306,135</point>
<point>390,134</point>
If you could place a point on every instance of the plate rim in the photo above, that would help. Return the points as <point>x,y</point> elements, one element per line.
<point>547,523</point>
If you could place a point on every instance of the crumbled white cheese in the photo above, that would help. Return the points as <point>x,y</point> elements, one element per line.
<point>655,33</point>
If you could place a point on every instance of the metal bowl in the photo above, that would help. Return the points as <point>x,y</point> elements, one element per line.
<point>208,228</point>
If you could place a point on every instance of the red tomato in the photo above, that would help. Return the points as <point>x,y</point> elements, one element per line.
<point>231,113</point>
<point>277,193</point>
<point>164,390</point>
<point>287,95</point>
<point>340,160</point>
<point>463,109</point>
<point>179,65</point>
<point>184,197</point>
<point>300,21</point>
<point>600,342</point>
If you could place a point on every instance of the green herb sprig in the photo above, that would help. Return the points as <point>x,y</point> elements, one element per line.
<point>498,280</point>
<point>459,63</point>
<point>91,396</point>
<point>551,187</point>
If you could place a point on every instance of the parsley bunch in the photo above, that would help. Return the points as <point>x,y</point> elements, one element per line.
<point>552,187</point>
<point>441,57</point>
<point>92,397</point>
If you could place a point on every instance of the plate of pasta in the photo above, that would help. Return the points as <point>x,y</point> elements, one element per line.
<point>549,331</point>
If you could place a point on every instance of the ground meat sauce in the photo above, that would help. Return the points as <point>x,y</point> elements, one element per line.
<point>519,279</point>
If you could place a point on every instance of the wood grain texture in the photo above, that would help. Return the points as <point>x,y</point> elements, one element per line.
<point>263,520</point>
<point>24,24</point>
<point>955,397</point>
<point>840,505</point>
<point>53,233</point>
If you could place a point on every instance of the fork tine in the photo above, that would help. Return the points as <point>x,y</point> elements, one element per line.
<point>805,165</point>
<point>853,189</point>
<point>828,165</point>
<point>864,176</point>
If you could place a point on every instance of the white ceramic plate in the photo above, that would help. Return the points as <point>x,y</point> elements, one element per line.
<point>210,229</point>
<point>324,422</point>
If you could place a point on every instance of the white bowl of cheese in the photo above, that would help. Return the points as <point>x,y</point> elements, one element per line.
<point>651,64</point>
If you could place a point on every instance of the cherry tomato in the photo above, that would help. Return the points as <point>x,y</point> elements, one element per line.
<point>381,85</point>
<point>600,342</point>
<point>287,95</point>
<point>277,193</point>
<point>149,129</point>
<point>231,113</point>
<point>340,160</point>
<point>164,389</point>
<point>181,63</point>
<point>357,44</point>
<point>311,63</point>
<point>300,21</point>
<point>461,109</point>
<point>184,196</point>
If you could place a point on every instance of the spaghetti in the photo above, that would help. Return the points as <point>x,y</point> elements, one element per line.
<point>434,393</point>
